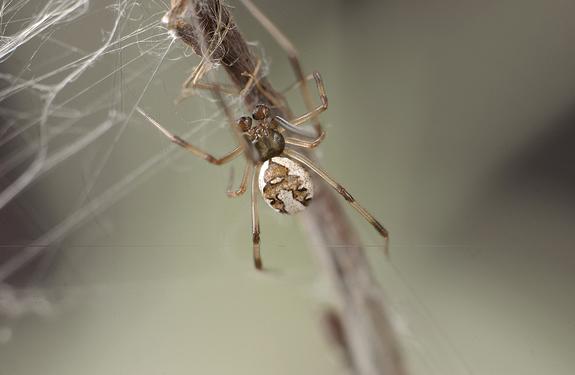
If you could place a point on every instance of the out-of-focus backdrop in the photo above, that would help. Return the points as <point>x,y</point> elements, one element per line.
<point>452,121</point>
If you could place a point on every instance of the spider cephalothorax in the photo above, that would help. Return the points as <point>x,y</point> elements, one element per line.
<point>264,134</point>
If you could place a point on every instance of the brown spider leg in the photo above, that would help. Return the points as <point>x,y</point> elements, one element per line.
<point>304,143</point>
<point>310,141</point>
<point>272,98</point>
<point>312,114</point>
<point>191,90</point>
<point>243,185</point>
<point>253,80</point>
<point>293,57</point>
<point>193,149</point>
<point>251,159</point>
<point>276,99</point>
<point>256,219</point>
<point>341,190</point>
<point>248,150</point>
<point>296,84</point>
<point>191,84</point>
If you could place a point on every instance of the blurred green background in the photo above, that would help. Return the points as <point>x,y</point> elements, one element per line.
<point>452,121</point>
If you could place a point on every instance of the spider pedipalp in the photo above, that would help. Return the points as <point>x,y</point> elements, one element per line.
<point>261,112</point>
<point>244,123</point>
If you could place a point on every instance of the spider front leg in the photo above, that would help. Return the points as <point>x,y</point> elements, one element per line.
<point>193,83</point>
<point>191,148</point>
<point>256,219</point>
<point>342,191</point>
<point>310,142</point>
<point>312,114</point>
<point>190,90</point>
<point>293,57</point>
<point>305,143</point>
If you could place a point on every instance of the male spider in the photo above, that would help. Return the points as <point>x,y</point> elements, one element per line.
<point>278,170</point>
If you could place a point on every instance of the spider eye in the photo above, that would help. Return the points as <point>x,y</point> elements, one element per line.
<point>261,111</point>
<point>245,123</point>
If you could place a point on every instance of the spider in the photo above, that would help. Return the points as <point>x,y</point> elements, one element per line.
<point>278,171</point>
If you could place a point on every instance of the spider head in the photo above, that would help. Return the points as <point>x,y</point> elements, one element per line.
<point>244,123</point>
<point>261,112</point>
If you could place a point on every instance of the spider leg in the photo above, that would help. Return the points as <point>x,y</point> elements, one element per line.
<point>276,99</point>
<point>253,80</point>
<point>256,220</point>
<point>313,113</point>
<point>196,75</point>
<point>193,149</point>
<point>312,141</point>
<point>286,125</point>
<point>296,84</point>
<point>192,83</point>
<point>243,185</point>
<point>342,191</point>
<point>247,149</point>
<point>293,57</point>
<point>305,143</point>
<point>190,90</point>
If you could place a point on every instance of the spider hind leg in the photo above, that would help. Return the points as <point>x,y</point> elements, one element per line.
<point>343,192</point>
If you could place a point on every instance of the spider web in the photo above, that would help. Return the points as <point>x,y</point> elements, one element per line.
<point>74,75</point>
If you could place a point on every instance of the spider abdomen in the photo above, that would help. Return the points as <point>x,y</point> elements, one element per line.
<point>285,185</point>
